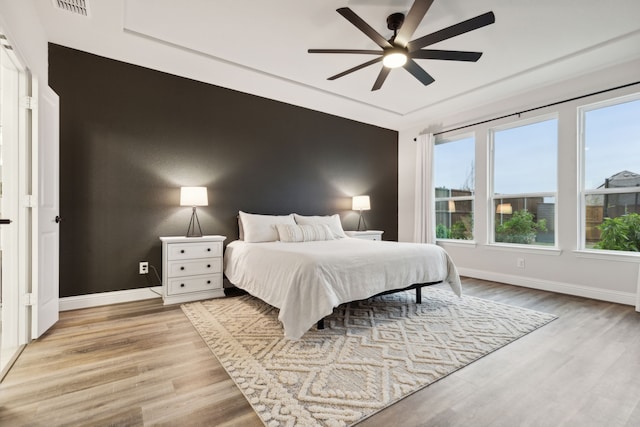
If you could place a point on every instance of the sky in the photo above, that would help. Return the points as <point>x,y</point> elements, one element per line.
<point>612,142</point>
<point>526,156</point>
<point>454,163</point>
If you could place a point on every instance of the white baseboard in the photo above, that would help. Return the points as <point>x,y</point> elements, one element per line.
<point>106,298</point>
<point>627,298</point>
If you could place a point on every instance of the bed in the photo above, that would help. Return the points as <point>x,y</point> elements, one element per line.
<point>305,270</point>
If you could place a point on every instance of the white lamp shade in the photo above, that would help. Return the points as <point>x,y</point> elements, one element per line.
<point>193,196</point>
<point>361,203</point>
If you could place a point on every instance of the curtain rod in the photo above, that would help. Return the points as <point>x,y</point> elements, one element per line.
<point>535,108</point>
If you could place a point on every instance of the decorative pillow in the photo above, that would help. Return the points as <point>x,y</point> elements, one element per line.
<point>304,233</point>
<point>333,221</point>
<point>262,228</point>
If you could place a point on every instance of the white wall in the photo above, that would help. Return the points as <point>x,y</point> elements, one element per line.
<point>612,278</point>
<point>22,27</point>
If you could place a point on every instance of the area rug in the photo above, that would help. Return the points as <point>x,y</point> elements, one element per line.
<point>371,354</point>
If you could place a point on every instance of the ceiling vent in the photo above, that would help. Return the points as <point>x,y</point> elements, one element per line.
<point>80,7</point>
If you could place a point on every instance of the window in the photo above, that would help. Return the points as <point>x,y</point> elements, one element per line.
<point>454,181</point>
<point>525,182</point>
<point>610,149</point>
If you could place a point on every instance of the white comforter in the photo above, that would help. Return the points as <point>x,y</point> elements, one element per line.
<point>307,280</point>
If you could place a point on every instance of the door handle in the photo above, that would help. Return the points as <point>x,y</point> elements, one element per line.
<point>58,219</point>
<point>5,221</point>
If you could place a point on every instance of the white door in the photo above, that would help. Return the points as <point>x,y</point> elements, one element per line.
<point>9,208</point>
<point>46,233</point>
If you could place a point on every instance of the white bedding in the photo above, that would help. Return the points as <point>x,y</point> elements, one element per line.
<point>307,280</point>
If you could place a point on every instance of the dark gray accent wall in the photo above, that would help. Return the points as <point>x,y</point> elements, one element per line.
<point>130,137</point>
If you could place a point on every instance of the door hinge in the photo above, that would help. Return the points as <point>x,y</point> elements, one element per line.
<point>28,201</point>
<point>28,299</point>
<point>28,102</point>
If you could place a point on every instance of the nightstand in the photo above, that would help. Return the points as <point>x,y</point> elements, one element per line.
<point>366,235</point>
<point>191,268</point>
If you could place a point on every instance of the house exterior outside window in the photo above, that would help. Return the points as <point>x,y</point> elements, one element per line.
<point>522,204</point>
<point>610,178</point>
<point>454,182</point>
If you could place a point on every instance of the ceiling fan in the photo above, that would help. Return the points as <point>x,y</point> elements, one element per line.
<point>400,50</point>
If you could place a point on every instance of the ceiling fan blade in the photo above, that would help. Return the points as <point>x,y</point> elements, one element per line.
<point>417,72</point>
<point>412,20</point>
<point>357,51</point>
<point>446,55</point>
<point>359,67</point>
<point>452,31</point>
<point>381,78</point>
<point>363,26</point>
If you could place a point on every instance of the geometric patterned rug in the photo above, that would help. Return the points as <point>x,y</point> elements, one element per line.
<point>371,353</point>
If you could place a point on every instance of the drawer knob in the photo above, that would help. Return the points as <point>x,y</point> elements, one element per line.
<point>208,249</point>
<point>208,265</point>
<point>181,251</point>
<point>208,282</point>
<point>181,268</point>
<point>182,285</point>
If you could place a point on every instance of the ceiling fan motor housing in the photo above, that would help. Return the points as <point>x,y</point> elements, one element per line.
<point>395,21</point>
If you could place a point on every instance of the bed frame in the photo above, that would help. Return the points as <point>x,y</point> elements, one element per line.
<point>417,287</point>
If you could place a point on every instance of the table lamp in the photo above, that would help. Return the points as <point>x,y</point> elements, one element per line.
<point>361,203</point>
<point>194,196</point>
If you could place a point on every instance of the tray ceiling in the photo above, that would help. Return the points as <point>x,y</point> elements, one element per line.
<point>261,48</point>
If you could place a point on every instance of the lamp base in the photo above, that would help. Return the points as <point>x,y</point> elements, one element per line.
<point>361,222</point>
<point>191,231</point>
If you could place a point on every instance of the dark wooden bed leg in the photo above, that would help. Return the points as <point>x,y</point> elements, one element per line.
<point>418,295</point>
<point>321,324</point>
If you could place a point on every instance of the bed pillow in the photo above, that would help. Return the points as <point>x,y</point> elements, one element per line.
<point>304,233</point>
<point>333,221</point>
<point>240,230</point>
<point>262,228</point>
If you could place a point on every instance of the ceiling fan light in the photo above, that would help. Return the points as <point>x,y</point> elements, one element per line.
<point>394,59</point>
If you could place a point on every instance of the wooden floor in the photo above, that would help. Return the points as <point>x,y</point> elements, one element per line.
<point>143,364</point>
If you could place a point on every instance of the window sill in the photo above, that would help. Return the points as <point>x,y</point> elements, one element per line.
<point>453,242</point>
<point>621,256</point>
<point>540,250</point>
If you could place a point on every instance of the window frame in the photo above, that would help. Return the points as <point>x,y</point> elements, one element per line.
<point>492,196</point>
<point>445,140</point>
<point>584,193</point>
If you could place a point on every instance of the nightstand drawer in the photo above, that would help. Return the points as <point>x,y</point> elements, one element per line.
<point>194,250</point>
<point>195,284</point>
<point>193,267</point>
<point>370,237</point>
<point>366,235</point>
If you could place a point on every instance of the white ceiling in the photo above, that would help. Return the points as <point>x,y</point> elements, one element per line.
<point>260,47</point>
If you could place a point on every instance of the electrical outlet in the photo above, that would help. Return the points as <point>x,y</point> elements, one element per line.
<point>143,267</point>
<point>520,262</point>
